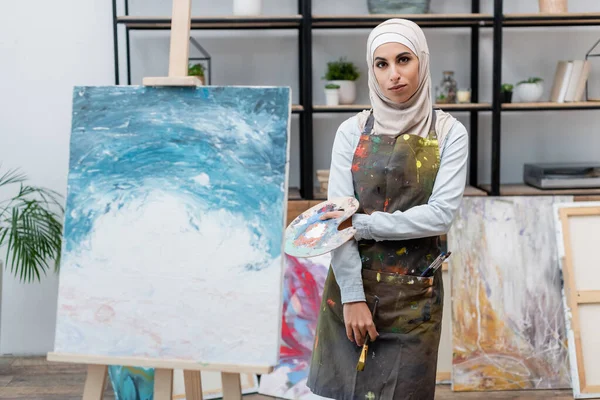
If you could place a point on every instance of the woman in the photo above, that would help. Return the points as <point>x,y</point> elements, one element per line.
<point>406,165</point>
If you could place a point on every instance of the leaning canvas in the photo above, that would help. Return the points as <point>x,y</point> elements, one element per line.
<point>174,224</point>
<point>507,315</point>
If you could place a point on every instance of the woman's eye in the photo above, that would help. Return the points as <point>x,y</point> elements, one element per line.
<point>404,60</point>
<point>380,65</point>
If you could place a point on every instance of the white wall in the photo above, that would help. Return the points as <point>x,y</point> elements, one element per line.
<point>47,47</point>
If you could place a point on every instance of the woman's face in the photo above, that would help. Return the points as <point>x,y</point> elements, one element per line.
<point>397,71</point>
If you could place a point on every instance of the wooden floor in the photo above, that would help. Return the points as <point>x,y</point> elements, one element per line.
<point>37,379</point>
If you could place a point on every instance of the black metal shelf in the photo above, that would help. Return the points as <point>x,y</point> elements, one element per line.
<point>546,106</point>
<point>545,20</point>
<point>360,107</point>
<point>423,20</point>
<point>224,22</point>
<point>305,22</point>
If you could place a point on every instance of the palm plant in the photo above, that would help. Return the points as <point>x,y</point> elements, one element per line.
<point>30,227</point>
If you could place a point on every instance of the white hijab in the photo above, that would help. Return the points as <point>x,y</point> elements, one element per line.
<point>413,116</point>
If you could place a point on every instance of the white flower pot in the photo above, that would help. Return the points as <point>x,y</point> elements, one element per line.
<point>347,91</point>
<point>332,97</point>
<point>247,7</point>
<point>530,92</point>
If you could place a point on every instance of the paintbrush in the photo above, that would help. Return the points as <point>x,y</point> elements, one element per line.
<point>436,264</point>
<point>363,354</point>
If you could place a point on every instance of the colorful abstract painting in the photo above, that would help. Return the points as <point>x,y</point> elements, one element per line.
<point>507,314</point>
<point>175,215</point>
<point>303,287</point>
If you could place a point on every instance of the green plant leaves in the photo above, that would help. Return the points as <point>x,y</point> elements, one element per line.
<point>341,70</point>
<point>30,228</point>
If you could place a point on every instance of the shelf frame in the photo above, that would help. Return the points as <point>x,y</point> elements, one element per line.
<point>305,23</point>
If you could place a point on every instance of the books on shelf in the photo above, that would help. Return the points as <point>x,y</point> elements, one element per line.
<point>569,81</point>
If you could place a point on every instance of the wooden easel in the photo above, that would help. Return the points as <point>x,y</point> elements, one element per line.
<point>163,374</point>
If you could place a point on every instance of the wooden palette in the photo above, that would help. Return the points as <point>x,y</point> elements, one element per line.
<point>309,236</point>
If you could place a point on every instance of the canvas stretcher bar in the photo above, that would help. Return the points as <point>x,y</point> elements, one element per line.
<point>578,226</point>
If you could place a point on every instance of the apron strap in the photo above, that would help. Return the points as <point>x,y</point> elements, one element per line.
<point>369,124</point>
<point>432,132</point>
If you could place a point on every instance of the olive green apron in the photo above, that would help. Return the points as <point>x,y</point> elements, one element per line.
<point>390,173</point>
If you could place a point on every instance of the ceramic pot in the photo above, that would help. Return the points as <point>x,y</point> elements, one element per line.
<point>506,97</point>
<point>247,7</point>
<point>332,97</point>
<point>530,92</point>
<point>347,91</point>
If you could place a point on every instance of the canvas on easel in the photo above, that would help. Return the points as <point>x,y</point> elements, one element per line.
<point>577,226</point>
<point>173,233</point>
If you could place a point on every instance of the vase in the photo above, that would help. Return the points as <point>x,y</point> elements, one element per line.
<point>398,6</point>
<point>347,91</point>
<point>446,91</point>
<point>332,97</point>
<point>530,92</point>
<point>247,7</point>
<point>553,6</point>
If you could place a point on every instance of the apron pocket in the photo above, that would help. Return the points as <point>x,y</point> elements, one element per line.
<point>405,301</point>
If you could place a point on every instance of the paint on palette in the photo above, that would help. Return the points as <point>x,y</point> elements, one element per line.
<point>309,236</point>
<point>303,287</point>
<point>175,218</point>
<point>507,319</point>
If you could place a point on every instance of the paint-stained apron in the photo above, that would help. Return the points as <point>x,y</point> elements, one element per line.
<point>390,173</point>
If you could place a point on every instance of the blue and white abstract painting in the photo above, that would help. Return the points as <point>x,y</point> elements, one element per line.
<point>174,224</point>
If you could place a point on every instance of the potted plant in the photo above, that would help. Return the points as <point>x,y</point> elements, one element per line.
<point>530,90</point>
<point>197,70</point>
<point>247,7</point>
<point>506,91</point>
<point>344,74</point>
<point>332,94</point>
<point>30,227</point>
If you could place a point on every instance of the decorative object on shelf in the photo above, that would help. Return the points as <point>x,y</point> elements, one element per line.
<point>199,68</point>
<point>446,92</point>
<point>344,74</point>
<point>530,90</point>
<point>506,92</point>
<point>323,179</point>
<point>247,7</point>
<point>398,6</point>
<point>553,6</point>
<point>575,175</point>
<point>332,94</point>
<point>463,96</point>
<point>587,56</point>
<point>30,227</point>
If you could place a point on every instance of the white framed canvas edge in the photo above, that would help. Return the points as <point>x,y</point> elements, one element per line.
<point>567,310</point>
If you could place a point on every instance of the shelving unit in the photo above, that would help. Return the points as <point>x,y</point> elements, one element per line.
<point>535,20</point>
<point>305,22</point>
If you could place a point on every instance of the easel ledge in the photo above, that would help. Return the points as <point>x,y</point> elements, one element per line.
<point>157,363</point>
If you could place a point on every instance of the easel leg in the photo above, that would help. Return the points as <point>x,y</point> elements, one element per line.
<point>163,384</point>
<point>95,382</point>
<point>193,385</point>
<point>232,386</point>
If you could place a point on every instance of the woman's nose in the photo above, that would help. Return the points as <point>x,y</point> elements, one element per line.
<point>394,74</point>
